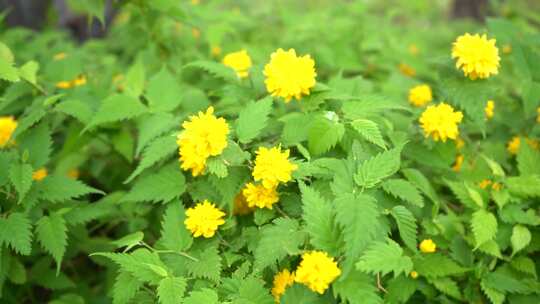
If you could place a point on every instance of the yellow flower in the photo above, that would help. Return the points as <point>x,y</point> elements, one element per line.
<point>413,49</point>
<point>204,135</point>
<point>414,274</point>
<point>40,174</point>
<point>272,166</point>
<point>406,70</point>
<point>204,219</point>
<point>59,56</point>
<point>73,174</point>
<point>259,196</point>
<point>79,81</point>
<point>195,2</point>
<point>239,61</point>
<point>515,143</point>
<point>489,109</point>
<point>484,183</point>
<point>241,206</point>
<point>458,163</point>
<point>507,49</point>
<point>215,50</point>
<point>64,84</point>
<point>8,124</point>
<point>428,246</point>
<point>460,143</point>
<point>441,122</point>
<point>420,95</point>
<point>538,115</point>
<point>317,270</point>
<point>496,186</point>
<point>288,75</point>
<point>282,280</point>
<point>477,56</point>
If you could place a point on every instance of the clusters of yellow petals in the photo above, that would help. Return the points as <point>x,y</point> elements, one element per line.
<point>477,56</point>
<point>406,70</point>
<point>458,163</point>
<point>239,61</point>
<point>282,280</point>
<point>260,196</point>
<point>441,122</point>
<point>317,270</point>
<point>483,184</point>
<point>8,124</point>
<point>204,135</point>
<point>489,109</point>
<point>515,143</point>
<point>420,95</point>
<point>77,82</point>
<point>272,166</point>
<point>414,274</point>
<point>428,246</point>
<point>40,174</point>
<point>288,75</point>
<point>204,219</point>
<point>215,50</point>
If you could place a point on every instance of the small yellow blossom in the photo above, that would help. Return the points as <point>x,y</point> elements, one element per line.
<point>64,84</point>
<point>59,56</point>
<point>288,75</point>
<point>40,174</point>
<point>239,61</point>
<point>204,219</point>
<point>241,206</point>
<point>484,183</point>
<point>507,49</point>
<point>73,174</point>
<point>489,109</point>
<point>477,56</point>
<point>420,95</point>
<point>513,145</point>
<point>8,124</point>
<point>204,135</point>
<point>272,166</point>
<point>282,280</point>
<point>458,163</point>
<point>215,50</point>
<point>538,115</point>
<point>414,274</point>
<point>428,246</point>
<point>441,122</point>
<point>79,81</point>
<point>317,271</point>
<point>413,49</point>
<point>195,2</point>
<point>407,70</point>
<point>259,196</point>
<point>496,186</point>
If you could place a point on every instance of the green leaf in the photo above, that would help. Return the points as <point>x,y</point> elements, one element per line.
<point>435,265</point>
<point>28,71</point>
<point>496,169</point>
<point>252,119</point>
<point>356,288</point>
<point>171,290</point>
<point>252,291</point>
<point>125,288</point>
<point>400,289</point>
<point>419,180</point>
<point>135,79</point>
<point>504,283</point>
<point>217,167</point>
<point>208,264</point>
<point>369,130</point>
<point>152,126</point>
<point>296,128</point>
<point>320,221</point>
<point>163,92</point>
<point>521,238</point>
<point>297,293</point>
<point>117,107</point>
<point>15,231</point>
<point>403,190</point>
<point>447,286</point>
<point>277,240</point>
<point>158,150</point>
<point>174,236</point>
<point>38,142</point>
<point>215,69</point>
<point>7,70</point>
<point>324,134</point>
<point>129,241</point>
<point>141,264</point>
<point>525,186</point>
<point>494,296</point>
<point>384,258</point>
<point>32,116</point>
<point>369,106</point>
<point>20,176</point>
<point>52,235</point>
<point>163,186</point>
<point>484,226</point>
<point>528,160</point>
<point>59,188</point>
<point>406,225</point>
<point>76,108</point>
<point>525,265</point>
<point>358,217</point>
<point>205,295</point>
<point>375,169</point>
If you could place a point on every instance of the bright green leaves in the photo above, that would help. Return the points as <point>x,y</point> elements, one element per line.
<point>435,265</point>
<point>521,237</point>
<point>163,186</point>
<point>20,176</point>
<point>215,69</point>
<point>15,232</point>
<point>163,92</point>
<point>207,264</point>
<point>528,160</point>
<point>51,233</point>
<point>484,226</point>
<point>281,238</point>
<point>524,186</point>
<point>369,130</point>
<point>252,119</point>
<point>174,236</point>
<point>156,151</point>
<point>171,290</point>
<point>324,134</point>
<point>205,295</point>
<point>59,188</point>
<point>373,170</point>
<point>357,288</point>
<point>385,257</point>
<point>135,78</point>
<point>117,107</point>
<point>7,70</point>
<point>406,225</point>
<point>403,190</point>
<point>28,71</point>
<point>125,288</point>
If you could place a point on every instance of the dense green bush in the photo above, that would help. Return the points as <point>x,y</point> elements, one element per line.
<point>94,201</point>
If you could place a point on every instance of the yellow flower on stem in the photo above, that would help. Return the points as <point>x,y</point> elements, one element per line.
<point>40,174</point>
<point>59,56</point>
<point>64,84</point>
<point>441,122</point>
<point>420,95</point>
<point>484,183</point>
<point>79,81</point>
<point>317,271</point>
<point>8,124</point>
<point>239,61</point>
<point>407,70</point>
<point>204,219</point>
<point>282,280</point>
<point>241,206</point>
<point>260,196</point>
<point>458,163</point>
<point>428,246</point>
<point>272,167</point>
<point>489,109</point>
<point>288,75</point>
<point>414,274</point>
<point>538,115</point>
<point>477,56</point>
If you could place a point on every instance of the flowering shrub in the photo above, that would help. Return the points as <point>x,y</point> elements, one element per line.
<point>231,152</point>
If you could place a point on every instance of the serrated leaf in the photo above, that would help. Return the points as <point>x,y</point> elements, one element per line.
<point>117,107</point>
<point>163,92</point>
<point>15,231</point>
<point>297,293</point>
<point>20,175</point>
<point>505,283</point>
<point>205,295</point>
<point>8,71</point>
<point>324,134</point>
<point>252,119</point>
<point>419,180</point>
<point>171,290</point>
<point>356,288</point>
<point>521,237</point>
<point>403,190</point>
<point>38,142</point>
<point>28,71</point>
<point>524,265</point>
<point>375,169</point>
<point>494,296</point>
<point>51,233</point>
<point>129,241</point>
<point>400,289</point>
<point>135,78</point>
<point>369,131</point>
<point>252,291</point>
<point>447,286</point>
<point>277,240</point>
<point>484,226</point>
<point>173,235</point>
<point>76,108</point>
<point>215,69</point>
<point>385,257</point>
<point>436,265</point>
<point>406,225</point>
<point>59,188</point>
<point>208,264</point>
<point>163,186</point>
<point>160,149</point>
<point>217,167</point>
<point>152,126</point>
<point>125,288</point>
<point>525,186</point>
<point>32,116</point>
